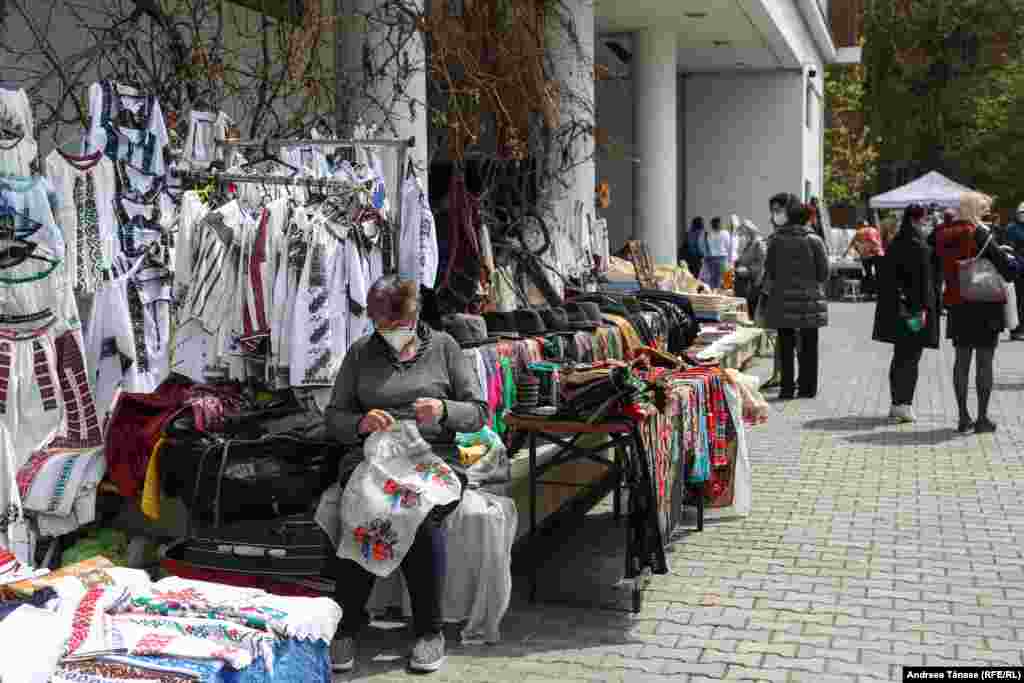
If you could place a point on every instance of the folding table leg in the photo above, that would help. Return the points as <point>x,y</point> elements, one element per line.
<point>533,515</point>
<point>617,496</point>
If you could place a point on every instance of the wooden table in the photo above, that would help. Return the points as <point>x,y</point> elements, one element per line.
<point>629,465</point>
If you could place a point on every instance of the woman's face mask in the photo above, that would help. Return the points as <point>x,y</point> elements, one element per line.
<point>779,218</point>
<point>399,336</point>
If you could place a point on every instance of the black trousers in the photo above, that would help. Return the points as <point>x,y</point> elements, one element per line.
<point>870,266</point>
<point>424,567</point>
<point>1020,304</point>
<point>808,350</point>
<point>903,372</point>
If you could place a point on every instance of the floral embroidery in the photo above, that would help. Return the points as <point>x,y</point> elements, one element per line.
<point>439,473</point>
<point>401,496</point>
<point>377,541</point>
<point>152,644</point>
<point>82,620</point>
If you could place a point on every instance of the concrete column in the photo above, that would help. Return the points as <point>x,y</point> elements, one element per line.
<point>395,104</point>
<point>655,187</point>
<point>573,64</point>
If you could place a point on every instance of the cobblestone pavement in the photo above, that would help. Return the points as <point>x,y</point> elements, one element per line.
<point>869,546</point>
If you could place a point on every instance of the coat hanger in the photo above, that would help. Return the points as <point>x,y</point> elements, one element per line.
<point>268,157</point>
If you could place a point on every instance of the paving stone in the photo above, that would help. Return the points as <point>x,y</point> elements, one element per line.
<point>869,546</point>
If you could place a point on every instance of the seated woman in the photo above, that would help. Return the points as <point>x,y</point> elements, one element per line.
<point>403,371</point>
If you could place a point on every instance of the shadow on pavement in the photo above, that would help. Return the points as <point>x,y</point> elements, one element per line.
<point>1009,386</point>
<point>853,423</point>
<point>923,438</point>
<point>579,563</point>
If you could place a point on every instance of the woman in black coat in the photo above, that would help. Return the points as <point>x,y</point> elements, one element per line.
<point>906,313</point>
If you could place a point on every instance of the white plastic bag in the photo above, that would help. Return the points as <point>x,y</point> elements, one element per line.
<point>1010,307</point>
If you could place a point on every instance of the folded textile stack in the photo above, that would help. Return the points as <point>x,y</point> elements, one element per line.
<point>714,306</point>
<point>114,624</point>
<point>58,488</point>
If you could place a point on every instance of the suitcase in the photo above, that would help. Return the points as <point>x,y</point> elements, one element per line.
<point>288,546</point>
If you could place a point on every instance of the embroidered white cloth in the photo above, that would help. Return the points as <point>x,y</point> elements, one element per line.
<point>32,640</point>
<point>389,495</point>
<point>478,583</point>
<point>289,617</point>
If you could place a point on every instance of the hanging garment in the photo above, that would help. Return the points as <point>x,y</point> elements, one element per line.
<point>214,274</point>
<point>149,306</point>
<point>10,499</point>
<point>204,130</point>
<point>17,143</point>
<point>417,245</point>
<point>316,323</point>
<point>27,203</point>
<point>85,188</point>
<point>190,214</point>
<point>82,424</point>
<point>30,406</point>
<point>110,345</point>
<point>289,265</point>
<point>127,124</point>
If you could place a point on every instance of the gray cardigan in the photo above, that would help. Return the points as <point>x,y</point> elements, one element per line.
<point>370,380</point>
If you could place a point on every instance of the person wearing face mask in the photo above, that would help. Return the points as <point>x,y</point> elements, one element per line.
<point>1015,240</point>
<point>404,370</point>
<point>906,312</point>
<point>796,270</point>
<point>974,326</point>
<point>867,242</point>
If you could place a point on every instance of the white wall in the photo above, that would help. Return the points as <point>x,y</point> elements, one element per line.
<point>744,142</point>
<point>813,168</point>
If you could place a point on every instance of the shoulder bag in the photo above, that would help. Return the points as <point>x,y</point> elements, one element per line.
<point>980,282</point>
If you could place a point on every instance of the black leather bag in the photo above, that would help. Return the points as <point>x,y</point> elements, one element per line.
<point>227,480</point>
<point>287,546</point>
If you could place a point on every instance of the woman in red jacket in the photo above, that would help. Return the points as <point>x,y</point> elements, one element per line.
<point>974,327</point>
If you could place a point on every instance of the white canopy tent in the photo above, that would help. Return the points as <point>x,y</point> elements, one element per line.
<point>931,188</point>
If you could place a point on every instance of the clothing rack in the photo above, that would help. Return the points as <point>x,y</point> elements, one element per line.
<point>401,145</point>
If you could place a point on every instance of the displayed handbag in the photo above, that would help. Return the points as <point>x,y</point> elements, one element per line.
<point>980,282</point>
<point>226,480</point>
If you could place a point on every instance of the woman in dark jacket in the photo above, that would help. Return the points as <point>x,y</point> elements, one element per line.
<point>973,326</point>
<point>695,246</point>
<point>796,270</point>
<point>906,312</point>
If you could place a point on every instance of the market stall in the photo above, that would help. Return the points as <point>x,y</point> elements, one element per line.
<point>184,313</point>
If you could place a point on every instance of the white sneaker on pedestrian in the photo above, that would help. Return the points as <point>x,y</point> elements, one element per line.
<point>894,412</point>
<point>903,414</point>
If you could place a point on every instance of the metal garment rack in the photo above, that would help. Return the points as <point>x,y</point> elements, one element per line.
<point>401,145</point>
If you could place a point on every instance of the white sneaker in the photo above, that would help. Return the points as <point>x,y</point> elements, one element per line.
<point>903,414</point>
<point>894,412</point>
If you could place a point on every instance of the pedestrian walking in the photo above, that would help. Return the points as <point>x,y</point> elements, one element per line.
<point>867,242</point>
<point>718,254</point>
<point>1015,239</point>
<point>905,315</point>
<point>796,271</point>
<point>973,326</point>
<point>695,246</point>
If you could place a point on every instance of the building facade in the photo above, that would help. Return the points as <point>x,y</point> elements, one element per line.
<point>711,108</point>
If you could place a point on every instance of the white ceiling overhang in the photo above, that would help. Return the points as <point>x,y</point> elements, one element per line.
<point>718,35</point>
